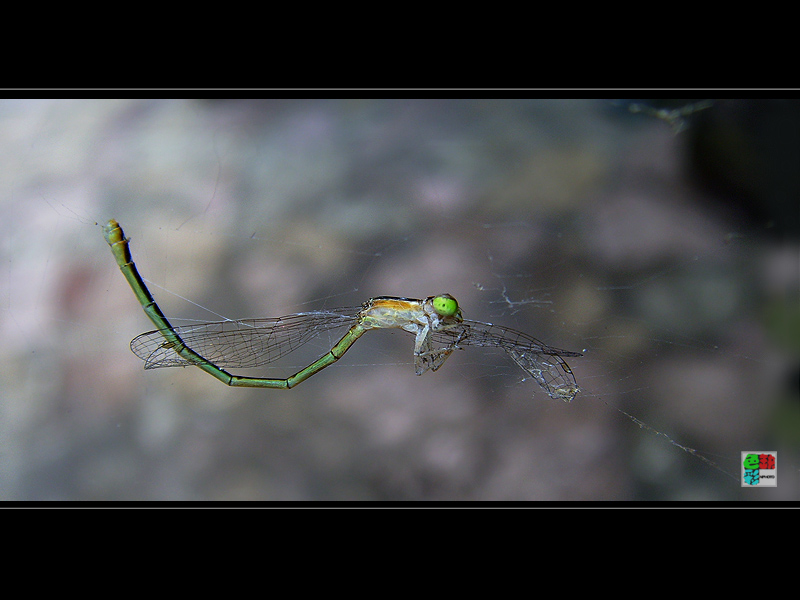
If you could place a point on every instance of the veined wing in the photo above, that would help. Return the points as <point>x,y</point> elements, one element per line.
<point>241,343</point>
<point>544,363</point>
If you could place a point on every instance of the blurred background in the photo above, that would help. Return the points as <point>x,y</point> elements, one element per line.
<point>659,238</point>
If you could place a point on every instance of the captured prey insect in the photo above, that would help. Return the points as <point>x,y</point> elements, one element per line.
<point>436,322</point>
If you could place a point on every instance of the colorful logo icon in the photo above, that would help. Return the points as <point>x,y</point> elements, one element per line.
<point>760,469</point>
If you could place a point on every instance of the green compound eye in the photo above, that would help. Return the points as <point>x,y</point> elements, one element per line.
<point>445,305</point>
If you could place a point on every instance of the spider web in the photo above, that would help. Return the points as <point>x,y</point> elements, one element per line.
<point>574,222</point>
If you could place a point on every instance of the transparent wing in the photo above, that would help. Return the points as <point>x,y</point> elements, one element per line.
<point>242,343</point>
<point>544,363</point>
